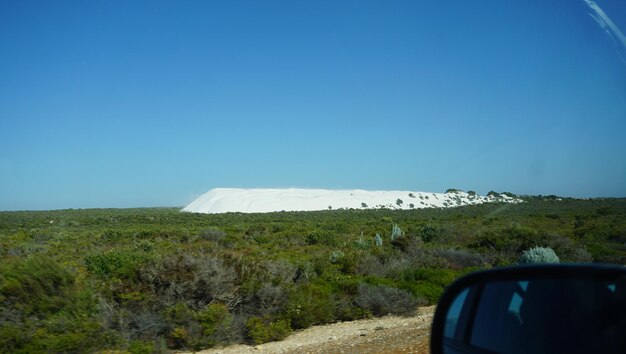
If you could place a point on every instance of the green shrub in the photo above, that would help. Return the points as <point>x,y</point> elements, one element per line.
<point>538,255</point>
<point>139,347</point>
<point>322,238</point>
<point>48,310</point>
<point>36,285</point>
<point>309,304</point>
<point>427,283</point>
<point>178,315</point>
<point>213,316</point>
<point>116,263</point>
<point>509,240</point>
<point>12,337</point>
<point>262,330</point>
<point>429,233</point>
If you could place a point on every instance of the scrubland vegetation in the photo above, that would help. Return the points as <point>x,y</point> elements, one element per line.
<point>151,280</point>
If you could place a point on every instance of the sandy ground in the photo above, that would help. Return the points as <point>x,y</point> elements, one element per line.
<point>388,334</point>
<point>222,200</point>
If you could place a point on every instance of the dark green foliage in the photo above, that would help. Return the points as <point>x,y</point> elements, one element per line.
<point>262,330</point>
<point>309,304</point>
<point>38,285</point>
<point>428,283</point>
<point>117,263</point>
<point>152,280</point>
<point>214,317</point>
<point>321,237</point>
<point>139,347</point>
<point>429,232</point>
<point>44,310</point>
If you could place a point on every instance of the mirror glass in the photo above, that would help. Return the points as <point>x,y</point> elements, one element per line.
<point>544,315</point>
<point>452,318</point>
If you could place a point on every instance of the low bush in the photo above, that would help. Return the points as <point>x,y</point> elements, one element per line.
<point>262,330</point>
<point>309,304</point>
<point>427,283</point>
<point>193,280</point>
<point>45,310</point>
<point>269,299</point>
<point>218,323</point>
<point>537,255</point>
<point>211,234</point>
<point>116,263</point>
<point>382,300</point>
<point>460,259</point>
<point>429,233</point>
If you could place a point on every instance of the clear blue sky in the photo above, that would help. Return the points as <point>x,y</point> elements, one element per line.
<point>133,103</point>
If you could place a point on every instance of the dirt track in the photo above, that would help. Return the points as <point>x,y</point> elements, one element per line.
<point>388,334</point>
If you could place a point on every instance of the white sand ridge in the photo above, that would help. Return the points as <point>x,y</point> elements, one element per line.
<point>260,200</point>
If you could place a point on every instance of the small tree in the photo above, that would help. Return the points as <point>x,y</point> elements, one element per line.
<point>399,202</point>
<point>537,255</point>
<point>363,205</point>
<point>493,194</point>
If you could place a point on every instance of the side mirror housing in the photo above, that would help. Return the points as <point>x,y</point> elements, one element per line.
<point>534,309</point>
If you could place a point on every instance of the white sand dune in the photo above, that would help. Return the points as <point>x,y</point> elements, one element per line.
<point>223,200</point>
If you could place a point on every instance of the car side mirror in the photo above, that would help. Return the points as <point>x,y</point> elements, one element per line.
<point>534,309</point>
